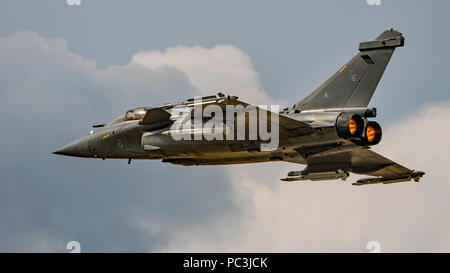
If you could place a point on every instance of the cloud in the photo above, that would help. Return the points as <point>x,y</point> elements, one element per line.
<point>223,68</point>
<point>336,216</point>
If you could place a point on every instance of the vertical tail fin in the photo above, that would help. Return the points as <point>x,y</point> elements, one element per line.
<point>354,84</point>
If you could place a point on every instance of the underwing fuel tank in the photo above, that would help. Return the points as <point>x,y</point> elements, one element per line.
<point>316,176</point>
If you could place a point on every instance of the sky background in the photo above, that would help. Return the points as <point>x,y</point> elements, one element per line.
<point>64,68</point>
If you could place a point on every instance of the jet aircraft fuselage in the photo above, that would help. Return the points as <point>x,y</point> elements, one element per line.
<point>330,130</point>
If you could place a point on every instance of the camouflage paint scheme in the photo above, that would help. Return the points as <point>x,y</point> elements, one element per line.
<point>328,131</point>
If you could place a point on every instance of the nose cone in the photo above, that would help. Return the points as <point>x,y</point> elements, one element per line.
<point>78,148</point>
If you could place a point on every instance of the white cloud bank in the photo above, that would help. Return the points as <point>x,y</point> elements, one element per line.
<point>223,68</point>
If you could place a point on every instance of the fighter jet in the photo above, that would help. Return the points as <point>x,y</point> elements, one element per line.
<point>329,131</point>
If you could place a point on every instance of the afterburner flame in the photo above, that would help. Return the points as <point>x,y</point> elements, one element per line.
<point>352,126</point>
<point>370,133</point>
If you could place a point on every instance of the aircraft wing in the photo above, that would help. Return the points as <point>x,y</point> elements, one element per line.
<point>335,162</point>
<point>365,161</point>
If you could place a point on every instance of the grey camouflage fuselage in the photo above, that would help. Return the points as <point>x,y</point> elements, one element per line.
<point>329,130</point>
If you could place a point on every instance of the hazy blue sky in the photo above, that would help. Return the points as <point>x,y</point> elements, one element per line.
<point>64,67</point>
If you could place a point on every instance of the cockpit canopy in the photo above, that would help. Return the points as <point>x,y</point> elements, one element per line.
<point>134,114</point>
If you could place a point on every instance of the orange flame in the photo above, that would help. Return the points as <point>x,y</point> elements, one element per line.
<point>352,126</point>
<point>370,133</point>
